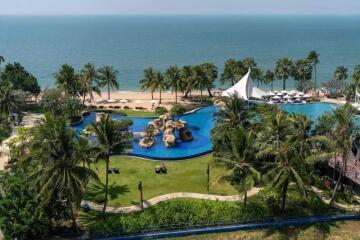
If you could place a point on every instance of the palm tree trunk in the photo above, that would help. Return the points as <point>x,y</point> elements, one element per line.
<point>152,95</point>
<point>272,86</point>
<point>73,218</point>
<point>336,188</point>
<point>209,91</point>
<point>315,79</point>
<point>201,95</point>
<point>245,197</point>
<point>284,86</point>
<point>106,184</point>
<point>175,95</point>
<point>186,93</point>
<point>160,97</point>
<point>334,169</point>
<point>284,191</point>
<point>84,99</point>
<point>108,91</point>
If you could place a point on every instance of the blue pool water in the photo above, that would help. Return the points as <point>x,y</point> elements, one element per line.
<point>200,123</point>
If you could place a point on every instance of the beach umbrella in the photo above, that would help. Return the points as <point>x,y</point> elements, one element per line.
<point>292,92</point>
<point>276,97</point>
<point>301,93</point>
<point>284,92</point>
<point>286,97</point>
<point>270,93</point>
<point>297,96</point>
<point>279,94</point>
<point>298,99</point>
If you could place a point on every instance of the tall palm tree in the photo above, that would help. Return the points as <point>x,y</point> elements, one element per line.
<point>301,132</point>
<point>9,102</point>
<point>108,77</point>
<point>356,79</point>
<point>286,168</point>
<point>240,160</point>
<point>313,57</point>
<point>68,80</point>
<point>340,74</point>
<point>173,77</point>
<point>269,78</point>
<point>301,72</point>
<point>89,81</point>
<point>188,80</point>
<point>344,132</point>
<point>283,70</point>
<point>110,140</point>
<point>149,81</point>
<point>58,173</point>
<point>210,74</point>
<point>233,71</point>
<point>2,59</point>
<point>160,83</point>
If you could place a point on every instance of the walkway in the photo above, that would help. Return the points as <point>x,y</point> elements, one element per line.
<point>166,197</point>
<point>352,168</point>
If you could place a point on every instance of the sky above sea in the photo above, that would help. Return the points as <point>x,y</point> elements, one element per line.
<point>132,43</point>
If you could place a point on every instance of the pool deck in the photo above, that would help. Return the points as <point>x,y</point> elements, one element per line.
<point>333,100</point>
<point>352,168</point>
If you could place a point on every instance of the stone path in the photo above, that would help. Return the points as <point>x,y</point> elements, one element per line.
<point>166,197</point>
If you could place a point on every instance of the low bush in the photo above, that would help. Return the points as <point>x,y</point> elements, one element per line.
<point>178,109</point>
<point>160,110</point>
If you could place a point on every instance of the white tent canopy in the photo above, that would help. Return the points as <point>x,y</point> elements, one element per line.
<point>244,89</point>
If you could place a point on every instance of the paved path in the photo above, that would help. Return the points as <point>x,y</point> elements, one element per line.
<point>166,197</point>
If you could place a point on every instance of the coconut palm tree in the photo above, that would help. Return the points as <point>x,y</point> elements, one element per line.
<point>233,71</point>
<point>2,59</point>
<point>68,80</point>
<point>269,78</point>
<point>313,58</point>
<point>108,77</point>
<point>283,70</point>
<point>286,168</point>
<point>340,74</point>
<point>57,174</point>
<point>301,125</point>
<point>345,129</point>
<point>301,72</point>
<point>89,81</point>
<point>9,102</point>
<point>173,77</point>
<point>110,140</point>
<point>356,78</point>
<point>240,161</point>
<point>210,74</point>
<point>187,80</point>
<point>160,84</point>
<point>149,81</point>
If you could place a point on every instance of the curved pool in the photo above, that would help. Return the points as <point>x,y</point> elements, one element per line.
<point>200,124</point>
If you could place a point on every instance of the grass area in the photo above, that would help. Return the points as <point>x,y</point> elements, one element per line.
<point>138,113</point>
<point>348,230</point>
<point>183,176</point>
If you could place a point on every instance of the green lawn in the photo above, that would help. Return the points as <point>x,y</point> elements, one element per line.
<point>138,113</point>
<point>183,176</point>
<point>349,230</point>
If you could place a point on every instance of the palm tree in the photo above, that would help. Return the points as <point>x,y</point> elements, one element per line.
<point>283,70</point>
<point>210,74</point>
<point>313,57</point>
<point>89,81</point>
<point>84,151</point>
<point>356,79</point>
<point>108,77</point>
<point>9,102</point>
<point>269,78</point>
<point>301,72</point>
<point>233,72</point>
<point>340,74</point>
<point>242,174</point>
<point>173,77</point>
<point>187,80</point>
<point>301,133</point>
<point>2,59</point>
<point>286,169</point>
<point>58,174</point>
<point>160,83</point>
<point>149,81</point>
<point>68,80</point>
<point>344,134</point>
<point>110,140</point>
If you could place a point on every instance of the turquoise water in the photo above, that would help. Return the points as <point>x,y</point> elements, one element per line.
<point>132,44</point>
<point>200,123</point>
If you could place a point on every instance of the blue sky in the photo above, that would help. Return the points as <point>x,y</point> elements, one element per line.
<point>180,7</point>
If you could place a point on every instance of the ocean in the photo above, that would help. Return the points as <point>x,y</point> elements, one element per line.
<point>132,43</point>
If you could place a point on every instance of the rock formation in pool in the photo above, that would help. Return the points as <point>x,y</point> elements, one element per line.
<point>184,133</point>
<point>149,138</point>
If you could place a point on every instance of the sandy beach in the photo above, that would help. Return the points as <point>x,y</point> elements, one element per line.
<point>136,99</point>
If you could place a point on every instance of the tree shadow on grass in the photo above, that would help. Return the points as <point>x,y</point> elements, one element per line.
<point>321,231</point>
<point>98,189</point>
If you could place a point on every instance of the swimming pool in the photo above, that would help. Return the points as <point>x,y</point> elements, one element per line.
<point>200,124</point>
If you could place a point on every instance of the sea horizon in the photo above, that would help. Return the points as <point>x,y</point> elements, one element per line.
<point>132,43</point>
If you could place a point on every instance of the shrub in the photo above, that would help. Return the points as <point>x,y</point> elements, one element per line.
<point>178,109</point>
<point>160,110</point>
